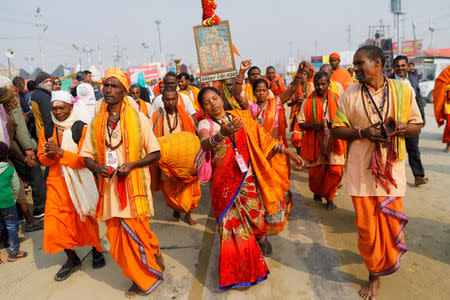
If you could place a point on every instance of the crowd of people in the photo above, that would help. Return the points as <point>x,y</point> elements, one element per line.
<point>91,154</point>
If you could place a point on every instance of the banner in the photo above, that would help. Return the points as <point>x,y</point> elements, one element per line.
<point>150,72</point>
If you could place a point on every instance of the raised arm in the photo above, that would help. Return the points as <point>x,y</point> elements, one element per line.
<point>242,101</point>
<point>302,67</point>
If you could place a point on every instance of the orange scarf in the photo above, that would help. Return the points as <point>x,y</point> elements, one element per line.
<point>132,187</point>
<point>260,145</point>
<point>158,121</point>
<point>314,112</point>
<point>144,109</point>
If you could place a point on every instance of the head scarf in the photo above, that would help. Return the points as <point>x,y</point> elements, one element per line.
<point>56,80</point>
<point>62,96</point>
<point>335,55</point>
<point>6,95</point>
<point>85,106</point>
<point>119,74</point>
<point>41,77</point>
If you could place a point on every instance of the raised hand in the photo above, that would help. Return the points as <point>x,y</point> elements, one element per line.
<point>231,127</point>
<point>246,64</point>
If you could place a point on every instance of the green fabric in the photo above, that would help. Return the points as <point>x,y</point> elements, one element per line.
<point>6,177</point>
<point>22,138</point>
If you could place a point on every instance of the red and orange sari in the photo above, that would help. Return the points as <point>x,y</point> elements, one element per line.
<point>240,201</point>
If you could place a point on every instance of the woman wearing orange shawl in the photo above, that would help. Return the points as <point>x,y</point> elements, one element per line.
<point>119,147</point>
<point>441,102</point>
<point>268,113</point>
<point>181,194</point>
<point>324,153</point>
<point>243,188</point>
<point>304,90</point>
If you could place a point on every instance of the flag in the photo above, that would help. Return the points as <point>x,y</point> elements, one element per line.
<point>76,46</point>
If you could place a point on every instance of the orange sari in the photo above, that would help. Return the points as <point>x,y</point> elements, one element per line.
<point>280,164</point>
<point>441,102</point>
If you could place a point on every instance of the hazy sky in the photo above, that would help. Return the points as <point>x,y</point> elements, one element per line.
<point>261,29</point>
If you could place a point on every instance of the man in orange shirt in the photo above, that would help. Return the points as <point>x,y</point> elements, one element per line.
<point>339,74</point>
<point>275,82</point>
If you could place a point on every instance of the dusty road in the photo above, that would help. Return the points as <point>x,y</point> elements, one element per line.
<point>315,257</point>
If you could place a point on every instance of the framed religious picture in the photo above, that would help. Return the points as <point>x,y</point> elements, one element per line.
<point>215,52</point>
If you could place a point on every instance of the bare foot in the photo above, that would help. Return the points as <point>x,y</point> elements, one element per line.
<point>317,198</point>
<point>133,291</point>
<point>330,205</point>
<point>176,215</point>
<point>369,292</point>
<point>188,219</point>
<point>448,148</point>
<point>160,262</point>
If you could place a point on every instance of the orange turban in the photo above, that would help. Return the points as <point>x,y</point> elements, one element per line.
<point>335,55</point>
<point>119,74</point>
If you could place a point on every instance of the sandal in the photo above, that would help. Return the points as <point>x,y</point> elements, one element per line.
<point>18,256</point>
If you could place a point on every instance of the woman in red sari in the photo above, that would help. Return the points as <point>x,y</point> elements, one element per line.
<point>268,112</point>
<point>243,188</point>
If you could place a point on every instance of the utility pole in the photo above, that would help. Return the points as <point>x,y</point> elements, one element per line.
<point>158,23</point>
<point>349,37</point>
<point>41,27</point>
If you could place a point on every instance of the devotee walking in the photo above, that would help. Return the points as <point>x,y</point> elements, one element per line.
<point>323,154</point>
<point>412,143</point>
<point>335,86</point>
<point>339,74</point>
<point>189,90</point>
<point>135,93</point>
<point>441,102</point>
<point>9,189</point>
<point>182,195</point>
<point>275,82</point>
<point>269,114</point>
<point>40,101</point>
<point>170,80</point>
<point>243,187</point>
<point>125,199</point>
<point>84,108</point>
<point>71,189</point>
<point>375,115</point>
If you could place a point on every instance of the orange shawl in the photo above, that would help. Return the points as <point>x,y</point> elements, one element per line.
<point>277,91</point>
<point>194,101</point>
<point>314,111</point>
<point>133,186</point>
<point>144,109</point>
<point>158,121</point>
<point>440,88</point>
<point>260,145</point>
<point>343,77</point>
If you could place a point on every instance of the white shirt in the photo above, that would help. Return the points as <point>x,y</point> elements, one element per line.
<point>158,103</point>
<point>407,81</point>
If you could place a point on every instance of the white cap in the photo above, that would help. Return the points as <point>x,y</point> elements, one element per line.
<point>62,96</point>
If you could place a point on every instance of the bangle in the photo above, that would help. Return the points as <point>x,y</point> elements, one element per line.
<point>212,141</point>
<point>221,136</point>
<point>358,131</point>
<point>239,81</point>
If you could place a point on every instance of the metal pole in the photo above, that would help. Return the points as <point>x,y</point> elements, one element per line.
<point>158,22</point>
<point>399,47</point>
<point>9,68</point>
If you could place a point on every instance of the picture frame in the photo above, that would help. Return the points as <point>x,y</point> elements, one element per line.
<point>215,52</point>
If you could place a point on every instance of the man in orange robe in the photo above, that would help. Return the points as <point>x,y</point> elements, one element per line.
<point>120,145</point>
<point>441,102</point>
<point>339,74</point>
<point>376,161</point>
<point>275,81</point>
<point>66,225</point>
<point>182,195</point>
<point>135,93</point>
<point>323,153</point>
